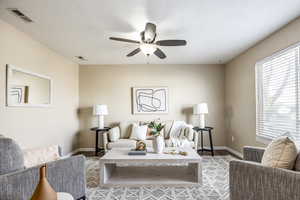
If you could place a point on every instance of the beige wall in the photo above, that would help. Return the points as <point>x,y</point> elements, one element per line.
<point>240,85</point>
<point>34,127</point>
<point>188,85</point>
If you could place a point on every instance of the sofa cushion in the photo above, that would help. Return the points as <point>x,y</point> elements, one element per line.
<point>168,126</point>
<point>11,156</point>
<point>125,129</point>
<point>114,134</point>
<point>138,132</point>
<point>297,162</point>
<point>189,132</point>
<point>37,156</point>
<point>169,143</point>
<point>127,143</point>
<point>280,153</point>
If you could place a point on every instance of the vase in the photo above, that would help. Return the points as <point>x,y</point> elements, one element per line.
<point>44,191</point>
<point>158,144</point>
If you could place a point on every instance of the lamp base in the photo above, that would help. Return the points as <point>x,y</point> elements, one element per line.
<point>202,121</point>
<point>101,121</point>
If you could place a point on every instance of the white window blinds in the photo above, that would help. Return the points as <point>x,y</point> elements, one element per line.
<point>277,94</point>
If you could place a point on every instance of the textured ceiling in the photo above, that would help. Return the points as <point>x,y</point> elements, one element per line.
<point>216,30</point>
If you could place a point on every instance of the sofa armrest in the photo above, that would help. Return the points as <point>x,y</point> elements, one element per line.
<point>65,175</point>
<point>196,139</point>
<point>253,181</point>
<point>254,154</point>
<point>191,135</point>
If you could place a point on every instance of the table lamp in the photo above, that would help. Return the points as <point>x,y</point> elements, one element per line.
<point>100,110</point>
<point>201,109</point>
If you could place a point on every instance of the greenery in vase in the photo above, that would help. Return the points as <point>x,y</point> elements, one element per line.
<point>156,128</point>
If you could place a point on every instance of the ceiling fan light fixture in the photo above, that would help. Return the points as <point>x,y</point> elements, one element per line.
<point>148,49</point>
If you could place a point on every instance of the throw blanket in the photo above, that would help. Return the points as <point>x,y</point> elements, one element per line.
<point>177,137</point>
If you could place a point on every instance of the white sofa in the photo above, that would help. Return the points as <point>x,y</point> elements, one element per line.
<point>125,131</point>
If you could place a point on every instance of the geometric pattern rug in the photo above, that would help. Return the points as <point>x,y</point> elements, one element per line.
<point>215,184</point>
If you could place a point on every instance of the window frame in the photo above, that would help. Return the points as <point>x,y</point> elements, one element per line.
<point>259,92</point>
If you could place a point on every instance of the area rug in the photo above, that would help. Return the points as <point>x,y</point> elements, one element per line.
<point>215,184</point>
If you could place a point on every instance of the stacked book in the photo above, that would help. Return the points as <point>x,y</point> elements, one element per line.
<point>135,152</point>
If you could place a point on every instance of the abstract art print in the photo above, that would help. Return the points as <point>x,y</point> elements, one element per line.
<point>150,100</point>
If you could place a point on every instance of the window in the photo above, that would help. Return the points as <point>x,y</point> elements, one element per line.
<point>277,95</point>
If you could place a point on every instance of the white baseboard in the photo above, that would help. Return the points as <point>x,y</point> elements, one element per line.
<point>85,149</point>
<point>234,152</point>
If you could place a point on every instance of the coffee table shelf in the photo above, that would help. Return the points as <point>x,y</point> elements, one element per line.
<point>119,169</point>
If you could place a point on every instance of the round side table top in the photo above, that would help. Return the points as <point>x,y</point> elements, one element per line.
<point>64,196</point>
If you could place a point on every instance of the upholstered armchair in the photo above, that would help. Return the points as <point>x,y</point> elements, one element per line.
<point>250,180</point>
<point>19,183</point>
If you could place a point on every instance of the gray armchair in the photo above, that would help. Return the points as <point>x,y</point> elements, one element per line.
<point>250,180</point>
<point>18,182</point>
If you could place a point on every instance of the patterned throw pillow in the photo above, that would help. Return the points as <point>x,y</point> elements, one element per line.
<point>280,153</point>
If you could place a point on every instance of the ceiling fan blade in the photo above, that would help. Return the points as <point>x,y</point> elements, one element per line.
<point>159,53</point>
<point>171,42</point>
<point>134,52</point>
<point>124,40</point>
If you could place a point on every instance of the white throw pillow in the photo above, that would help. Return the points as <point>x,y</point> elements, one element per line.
<point>37,156</point>
<point>114,134</point>
<point>138,132</point>
<point>280,153</point>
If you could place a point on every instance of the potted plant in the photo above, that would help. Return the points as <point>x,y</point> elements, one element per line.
<point>158,141</point>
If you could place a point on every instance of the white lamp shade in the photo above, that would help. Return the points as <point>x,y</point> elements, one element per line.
<point>200,108</point>
<point>100,109</point>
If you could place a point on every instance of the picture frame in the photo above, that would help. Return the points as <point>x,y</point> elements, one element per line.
<point>150,100</point>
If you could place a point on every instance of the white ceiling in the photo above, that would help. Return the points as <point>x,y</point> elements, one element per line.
<point>216,30</point>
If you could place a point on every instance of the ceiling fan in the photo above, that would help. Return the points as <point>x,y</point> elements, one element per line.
<point>148,45</point>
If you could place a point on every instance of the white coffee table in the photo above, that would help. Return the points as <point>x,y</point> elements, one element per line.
<point>117,168</point>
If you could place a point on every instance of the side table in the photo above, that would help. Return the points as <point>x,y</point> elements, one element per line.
<point>97,132</point>
<point>205,130</point>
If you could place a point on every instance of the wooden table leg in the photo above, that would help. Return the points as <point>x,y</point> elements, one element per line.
<point>96,146</point>
<point>211,143</point>
<point>202,141</point>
